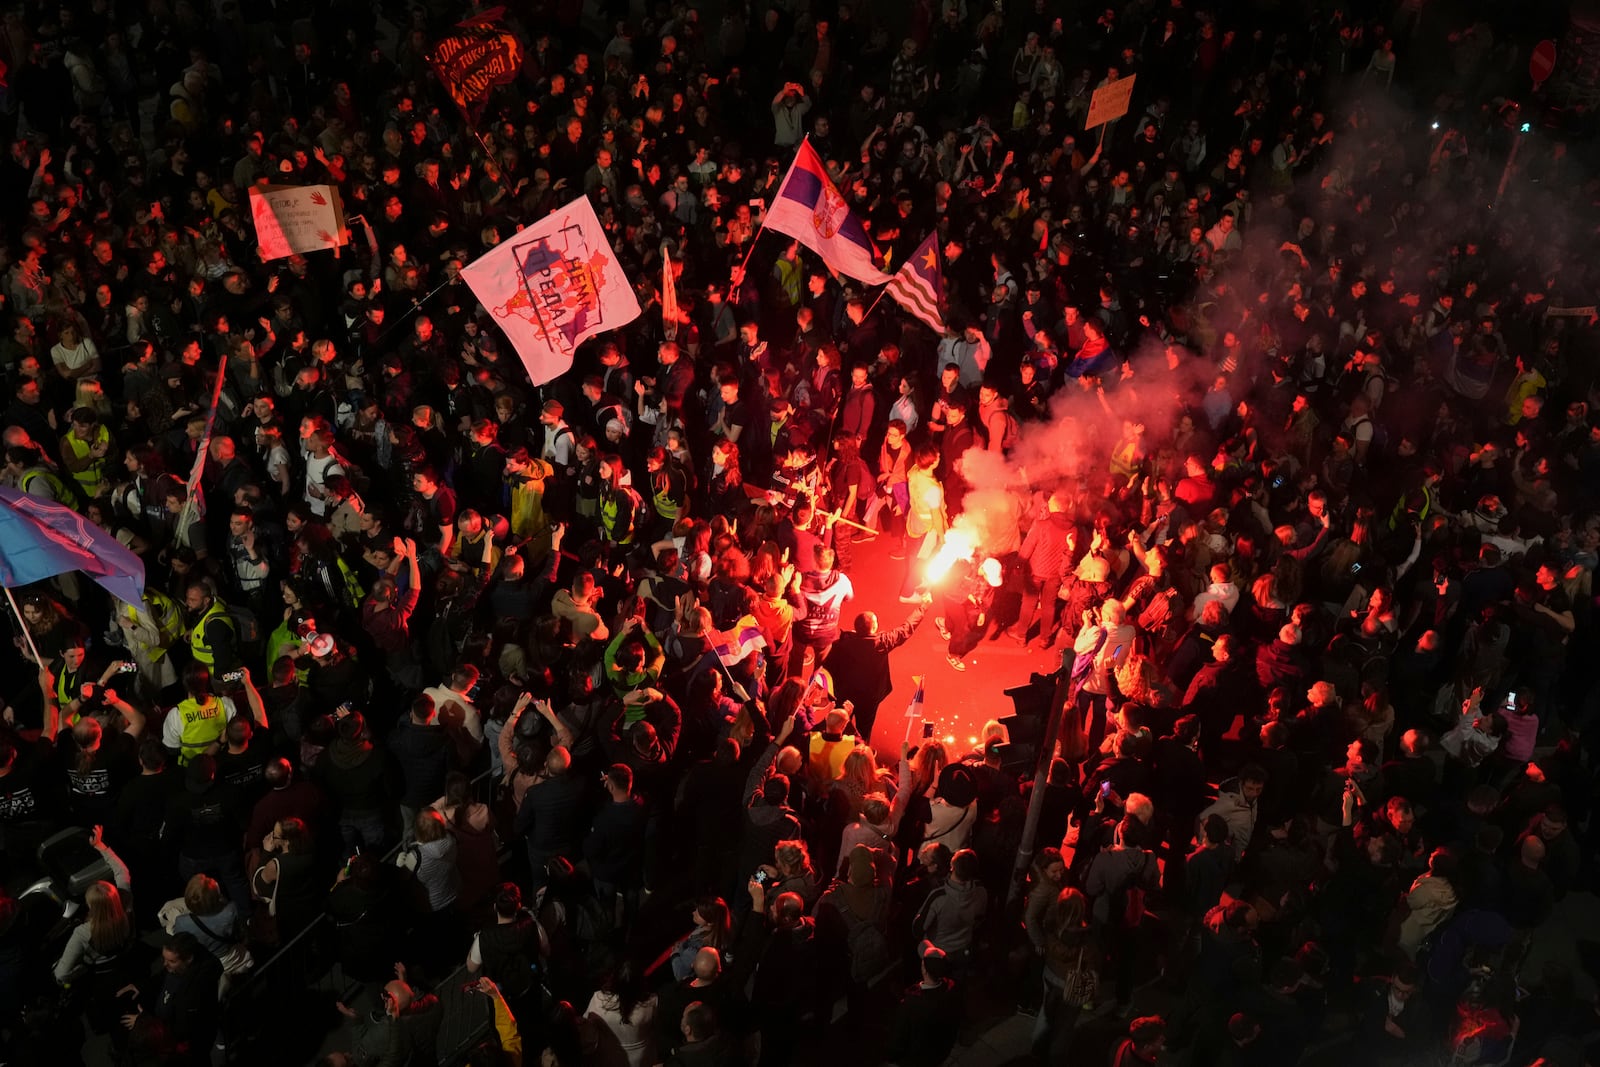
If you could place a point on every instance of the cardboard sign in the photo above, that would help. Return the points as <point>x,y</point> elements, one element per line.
<point>296,218</point>
<point>1110,102</point>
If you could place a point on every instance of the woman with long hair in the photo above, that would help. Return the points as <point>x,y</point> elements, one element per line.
<point>1071,968</point>
<point>621,1014</point>
<point>926,766</point>
<point>472,824</point>
<point>52,628</point>
<point>713,928</point>
<point>97,960</point>
<point>729,595</point>
<point>827,382</point>
<point>725,483</point>
<point>907,406</point>
<point>669,490</point>
<point>103,935</point>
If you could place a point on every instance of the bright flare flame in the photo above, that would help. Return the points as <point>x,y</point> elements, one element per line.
<point>958,544</point>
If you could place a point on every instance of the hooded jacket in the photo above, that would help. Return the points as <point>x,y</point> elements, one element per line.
<point>822,596</point>
<point>1111,871</point>
<point>585,622</point>
<point>1431,901</point>
<point>1237,812</point>
<point>1225,592</point>
<point>1281,664</point>
<point>952,913</point>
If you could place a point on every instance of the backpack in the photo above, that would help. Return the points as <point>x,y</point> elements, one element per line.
<point>1008,437</point>
<point>1158,614</point>
<point>246,627</point>
<point>1131,913</point>
<point>1380,437</point>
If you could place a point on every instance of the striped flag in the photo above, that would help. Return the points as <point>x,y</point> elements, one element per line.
<point>914,709</point>
<point>737,642</point>
<point>669,295</point>
<point>919,284</point>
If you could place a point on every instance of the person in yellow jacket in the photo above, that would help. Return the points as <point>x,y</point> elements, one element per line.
<point>86,451</point>
<point>196,725</point>
<point>505,1024</point>
<point>525,476</point>
<point>213,635</point>
<point>149,630</point>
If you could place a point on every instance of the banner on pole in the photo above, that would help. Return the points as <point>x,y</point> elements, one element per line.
<point>296,218</point>
<point>552,287</point>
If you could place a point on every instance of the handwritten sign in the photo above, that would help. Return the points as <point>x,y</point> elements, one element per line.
<point>291,219</point>
<point>1110,102</point>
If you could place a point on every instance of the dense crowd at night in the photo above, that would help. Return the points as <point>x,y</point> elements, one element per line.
<point>467,720</point>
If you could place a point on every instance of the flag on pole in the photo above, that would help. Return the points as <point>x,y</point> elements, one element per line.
<point>40,539</point>
<point>669,295</point>
<point>809,208</point>
<point>733,645</point>
<point>914,709</point>
<point>918,286</point>
<point>553,286</point>
<point>194,504</point>
<point>480,55</point>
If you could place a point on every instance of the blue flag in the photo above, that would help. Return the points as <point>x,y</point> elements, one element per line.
<point>40,539</point>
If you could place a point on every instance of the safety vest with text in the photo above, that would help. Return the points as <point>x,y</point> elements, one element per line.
<point>201,726</point>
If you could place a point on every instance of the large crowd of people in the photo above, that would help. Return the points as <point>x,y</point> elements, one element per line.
<point>537,721</point>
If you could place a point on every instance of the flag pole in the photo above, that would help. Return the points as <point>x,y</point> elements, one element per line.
<point>23,623</point>
<point>875,303</point>
<point>763,227</point>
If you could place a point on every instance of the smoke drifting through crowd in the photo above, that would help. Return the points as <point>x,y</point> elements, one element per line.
<point>1417,227</point>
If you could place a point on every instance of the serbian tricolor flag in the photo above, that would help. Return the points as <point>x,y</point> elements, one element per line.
<point>733,645</point>
<point>810,209</point>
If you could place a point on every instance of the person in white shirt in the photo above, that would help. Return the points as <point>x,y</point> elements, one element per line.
<point>557,447</point>
<point>320,465</point>
<point>969,352</point>
<point>456,710</point>
<point>74,355</point>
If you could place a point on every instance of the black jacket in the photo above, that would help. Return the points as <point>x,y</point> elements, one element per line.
<point>615,845</point>
<point>860,664</point>
<point>423,753</point>
<point>925,1025</point>
<point>551,816</point>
